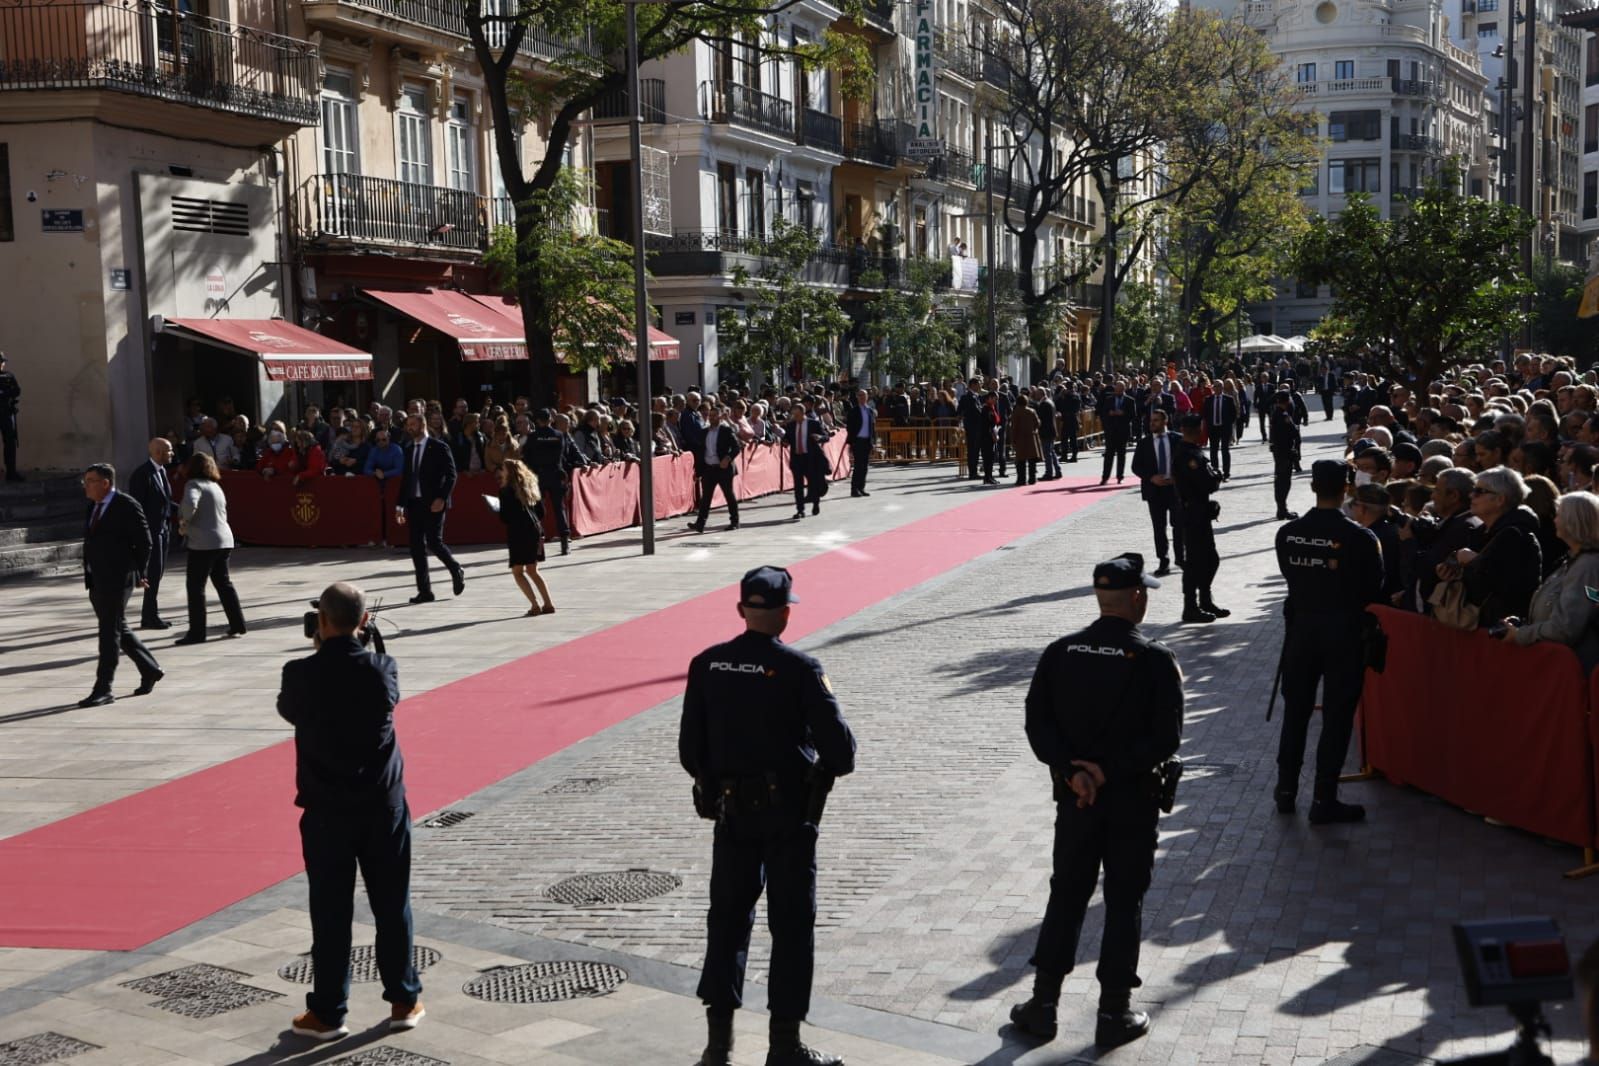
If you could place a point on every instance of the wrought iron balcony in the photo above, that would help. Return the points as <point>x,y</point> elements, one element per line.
<point>880,13</point>
<point>821,130</point>
<point>715,253</point>
<point>1414,142</point>
<point>448,17</point>
<point>954,165</point>
<point>740,105</point>
<point>1413,87</point>
<point>652,92</point>
<point>871,142</point>
<point>362,209</point>
<point>137,47</point>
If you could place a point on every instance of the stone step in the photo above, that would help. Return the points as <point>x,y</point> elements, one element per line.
<point>36,560</point>
<point>47,511</point>
<point>43,488</point>
<point>42,532</point>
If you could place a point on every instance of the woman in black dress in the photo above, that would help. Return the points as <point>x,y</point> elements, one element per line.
<point>523,514</point>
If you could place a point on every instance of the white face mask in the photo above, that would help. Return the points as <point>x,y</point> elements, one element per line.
<point>277,446</point>
<point>1362,478</point>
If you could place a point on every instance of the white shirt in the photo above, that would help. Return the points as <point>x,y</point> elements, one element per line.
<point>799,435</point>
<point>221,449</point>
<point>710,446</point>
<point>866,424</point>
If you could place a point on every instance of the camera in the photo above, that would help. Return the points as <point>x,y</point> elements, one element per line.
<point>1519,963</point>
<point>368,634</point>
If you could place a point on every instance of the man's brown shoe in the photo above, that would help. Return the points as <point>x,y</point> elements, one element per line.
<point>405,1015</point>
<point>308,1024</point>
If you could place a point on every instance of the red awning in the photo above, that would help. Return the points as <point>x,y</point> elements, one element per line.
<point>483,332</point>
<point>289,352</point>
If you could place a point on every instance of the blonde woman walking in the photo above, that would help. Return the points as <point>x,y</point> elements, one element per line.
<point>522,511</point>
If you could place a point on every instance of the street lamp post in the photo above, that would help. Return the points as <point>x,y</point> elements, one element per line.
<point>641,311</point>
<point>993,261</point>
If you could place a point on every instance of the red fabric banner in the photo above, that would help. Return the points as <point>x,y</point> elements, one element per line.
<point>604,498</point>
<point>673,485</point>
<point>761,469</point>
<point>839,460</point>
<point>323,512</point>
<point>1453,710</point>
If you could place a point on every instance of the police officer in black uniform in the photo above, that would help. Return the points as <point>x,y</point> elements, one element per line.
<point>1105,714</point>
<point>1284,450</point>
<point>547,453</point>
<point>10,393</point>
<point>1334,568</point>
<point>763,738</point>
<point>1196,479</point>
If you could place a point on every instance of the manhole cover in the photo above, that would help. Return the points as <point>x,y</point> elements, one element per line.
<point>189,979</point>
<point>545,982</point>
<point>445,819</point>
<point>625,886</point>
<point>209,1002</point>
<point>392,1056</point>
<point>41,1048</point>
<point>577,785</point>
<point>363,964</point>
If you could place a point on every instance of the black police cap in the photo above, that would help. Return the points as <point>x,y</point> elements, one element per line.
<point>767,587</point>
<point>1328,476</point>
<point>1126,571</point>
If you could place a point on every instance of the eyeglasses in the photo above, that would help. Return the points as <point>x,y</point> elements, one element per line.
<point>1484,492</point>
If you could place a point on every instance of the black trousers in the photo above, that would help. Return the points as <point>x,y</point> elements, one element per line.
<point>1118,833</point>
<point>774,851</point>
<point>8,434</point>
<point>1325,649</point>
<point>985,448</point>
<point>211,564</point>
<point>711,479</point>
<point>1265,418</point>
<point>1327,405</point>
<point>1199,542</point>
<point>1164,508</point>
<point>110,602</point>
<point>427,535</point>
<point>1002,446</point>
<point>860,456</point>
<point>1282,478</point>
<point>335,845</point>
<point>154,570</point>
<point>1068,438</point>
<point>974,450</point>
<point>1115,450</point>
<point>1221,449</point>
<point>554,495</point>
<point>805,485</point>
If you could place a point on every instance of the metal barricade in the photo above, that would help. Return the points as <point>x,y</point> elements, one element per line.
<point>919,441</point>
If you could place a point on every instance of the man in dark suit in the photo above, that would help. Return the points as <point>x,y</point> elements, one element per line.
<point>715,465</point>
<point>860,423</point>
<point>425,488</point>
<point>1449,528</point>
<point>1069,403</point>
<point>975,423</point>
<point>148,484</point>
<point>1327,384</point>
<point>116,550</point>
<point>1153,465</point>
<point>1116,414</point>
<point>807,462</point>
<point>349,781</point>
<point>1221,417</point>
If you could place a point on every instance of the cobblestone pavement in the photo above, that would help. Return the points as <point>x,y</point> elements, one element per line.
<point>1266,941</point>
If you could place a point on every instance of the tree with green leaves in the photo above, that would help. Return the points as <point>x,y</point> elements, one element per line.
<point>1555,327</point>
<point>913,342</point>
<point>786,322</point>
<point>592,65</point>
<point>1434,286</point>
<point>584,279</point>
<point>1148,325</point>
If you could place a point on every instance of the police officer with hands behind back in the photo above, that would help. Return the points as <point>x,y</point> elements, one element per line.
<point>1284,450</point>
<point>1196,479</point>
<point>1105,713</point>
<point>1334,568</point>
<point>763,737</point>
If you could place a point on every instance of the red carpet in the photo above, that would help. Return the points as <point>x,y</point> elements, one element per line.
<point>126,873</point>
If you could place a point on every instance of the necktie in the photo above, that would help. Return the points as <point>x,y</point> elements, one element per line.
<point>416,469</point>
<point>1217,419</point>
<point>1160,449</point>
<point>99,509</point>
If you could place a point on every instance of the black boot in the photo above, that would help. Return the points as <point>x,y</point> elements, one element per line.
<point>1327,809</point>
<point>1192,612</point>
<point>566,546</point>
<point>1285,796</point>
<point>1036,1017</point>
<point>1208,604</point>
<point>1118,1023</point>
<point>786,1049</point>
<point>719,1041</point>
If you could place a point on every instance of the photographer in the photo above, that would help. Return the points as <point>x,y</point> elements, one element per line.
<point>349,781</point>
<point>1562,609</point>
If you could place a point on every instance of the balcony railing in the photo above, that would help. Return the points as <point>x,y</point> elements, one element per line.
<point>957,56</point>
<point>954,165</point>
<point>652,93</point>
<point>1357,85</point>
<point>1414,142</point>
<point>1412,87</point>
<point>871,142</point>
<point>821,130</point>
<point>447,16</point>
<point>715,253</point>
<point>136,47</point>
<point>355,207</point>
<point>880,12</point>
<point>741,105</point>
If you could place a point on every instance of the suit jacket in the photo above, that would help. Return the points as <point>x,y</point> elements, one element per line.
<point>437,475</point>
<point>1116,415</point>
<point>158,506</point>
<point>341,702</point>
<point>1229,411</point>
<point>691,430</point>
<point>1146,465</point>
<point>727,446</point>
<point>117,548</point>
<point>853,419</point>
<point>814,461</point>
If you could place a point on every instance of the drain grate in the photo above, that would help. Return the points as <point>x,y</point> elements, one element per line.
<point>41,1048</point>
<point>579,785</point>
<point>363,964</point>
<point>623,886</point>
<point>445,819</point>
<point>545,982</point>
<point>201,991</point>
<point>392,1056</point>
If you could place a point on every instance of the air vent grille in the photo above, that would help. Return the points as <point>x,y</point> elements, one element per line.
<point>191,215</point>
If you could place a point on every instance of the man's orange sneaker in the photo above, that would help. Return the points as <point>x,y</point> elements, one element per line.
<point>405,1015</point>
<point>308,1024</point>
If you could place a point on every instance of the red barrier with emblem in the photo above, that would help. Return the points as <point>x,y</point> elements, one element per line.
<point>1493,727</point>
<point>604,497</point>
<point>470,521</point>
<point>322,512</point>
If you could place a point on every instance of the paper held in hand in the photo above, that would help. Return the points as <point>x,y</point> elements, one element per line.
<point>493,502</point>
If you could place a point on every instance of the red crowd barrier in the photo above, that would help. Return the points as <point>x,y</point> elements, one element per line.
<point>321,512</point>
<point>604,498</point>
<point>1492,727</point>
<point>673,485</point>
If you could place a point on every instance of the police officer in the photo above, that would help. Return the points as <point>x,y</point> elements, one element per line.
<point>763,737</point>
<point>10,393</point>
<point>1196,479</point>
<point>1284,450</point>
<point>1334,568</point>
<point>547,453</point>
<point>1104,713</point>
